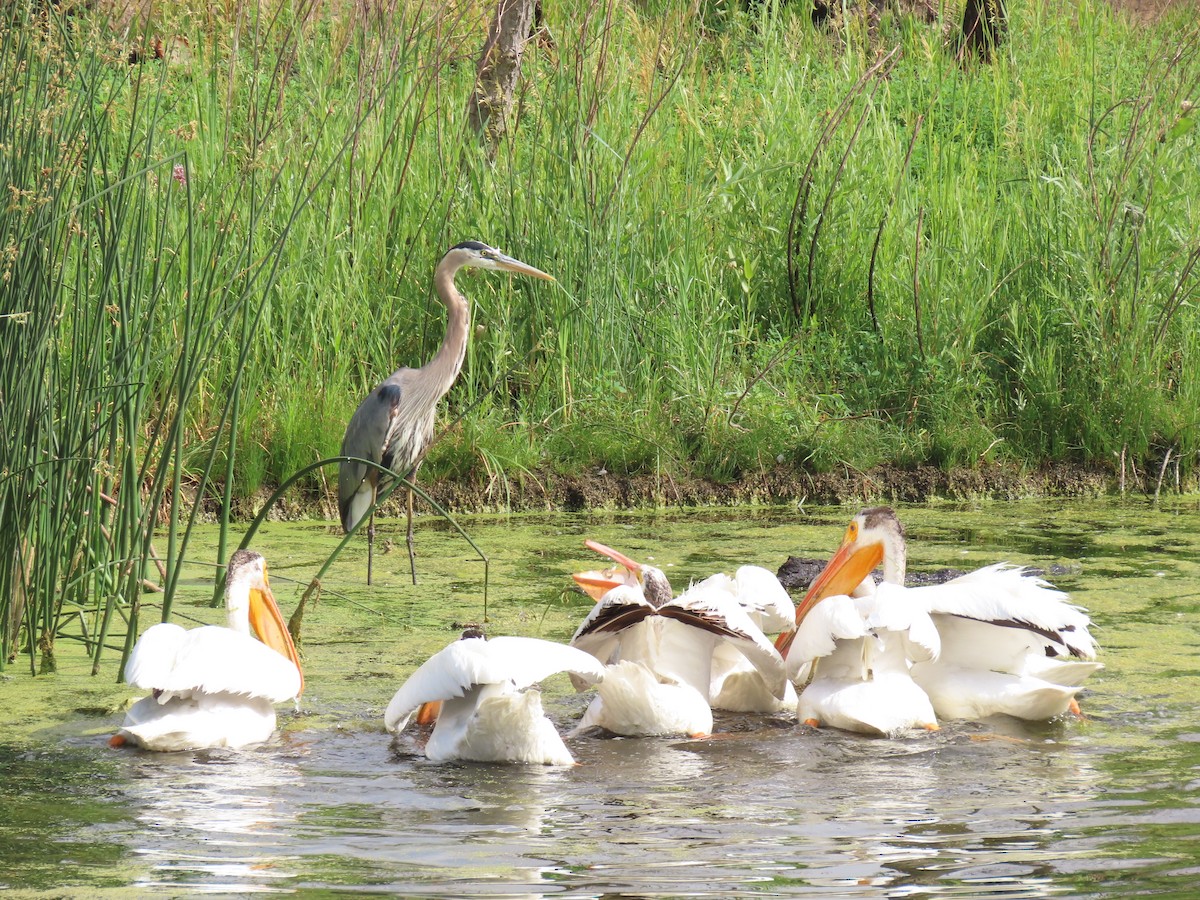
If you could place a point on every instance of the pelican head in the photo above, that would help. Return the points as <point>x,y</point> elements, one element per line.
<point>651,579</point>
<point>477,255</point>
<point>250,605</point>
<point>873,536</point>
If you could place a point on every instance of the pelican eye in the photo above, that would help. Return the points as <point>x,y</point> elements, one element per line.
<point>852,532</point>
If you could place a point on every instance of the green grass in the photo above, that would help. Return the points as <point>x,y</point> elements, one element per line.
<point>987,262</point>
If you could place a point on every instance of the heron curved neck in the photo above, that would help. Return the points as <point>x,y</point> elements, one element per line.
<point>448,360</point>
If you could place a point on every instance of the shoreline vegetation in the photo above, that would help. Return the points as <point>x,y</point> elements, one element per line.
<point>793,261</point>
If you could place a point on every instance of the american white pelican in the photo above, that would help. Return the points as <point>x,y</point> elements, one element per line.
<point>661,650</point>
<point>855,654</point>
<point>215,686</point>
<point>487,715</point>
<point>1010,643</point>
<point>737,685</point>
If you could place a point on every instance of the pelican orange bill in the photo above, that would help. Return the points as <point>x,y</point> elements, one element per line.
<point>841,575</point>
<point>267,622</point>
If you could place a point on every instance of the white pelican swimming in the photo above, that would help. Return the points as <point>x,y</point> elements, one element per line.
<point>1009,642</point>
<point>855,654</point>
<point>215,686</point>
<point>737,685</point>
<point>660,650</point>
<point>487,715</point>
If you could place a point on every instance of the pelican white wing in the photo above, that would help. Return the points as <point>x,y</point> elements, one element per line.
<point>721,615</point>
<point>1006,597</point>
<point>736,683</point>
<point>834,619</point>
<point>619,609</point>
<point>858,651</point>
<point>1011,644</point>
<point>209,660</point>
<point>513,662</point>
<point>759,592</point>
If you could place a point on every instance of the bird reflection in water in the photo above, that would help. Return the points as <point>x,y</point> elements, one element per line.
<point>216,820</point>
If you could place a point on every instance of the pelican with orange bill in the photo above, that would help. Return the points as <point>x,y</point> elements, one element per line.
<point>215,686</point>
<point>660,650</point>
<point>1006,642</point>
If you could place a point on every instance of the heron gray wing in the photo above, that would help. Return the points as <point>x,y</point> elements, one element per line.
<point>410,430</point>
<point>365,438</point>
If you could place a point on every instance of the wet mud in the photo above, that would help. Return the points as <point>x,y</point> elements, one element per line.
<point>552,492</point>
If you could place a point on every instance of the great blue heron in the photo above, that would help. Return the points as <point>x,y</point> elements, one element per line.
<point>393,426</point>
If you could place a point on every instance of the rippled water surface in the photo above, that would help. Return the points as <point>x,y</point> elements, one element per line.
<point>1105,806</point>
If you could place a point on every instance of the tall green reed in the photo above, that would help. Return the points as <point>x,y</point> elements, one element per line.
<point>655,167</point>
<point>128,277</point>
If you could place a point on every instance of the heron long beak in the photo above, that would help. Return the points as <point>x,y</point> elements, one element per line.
<point>841,575</point>
<point>509,264</point>
<point>267,622</point>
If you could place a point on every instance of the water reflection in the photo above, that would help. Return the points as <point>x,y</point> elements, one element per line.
<point>214,820</point>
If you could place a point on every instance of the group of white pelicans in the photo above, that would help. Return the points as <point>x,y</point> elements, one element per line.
<point>876,658</point>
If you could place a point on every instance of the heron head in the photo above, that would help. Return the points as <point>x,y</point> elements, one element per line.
<point>475,254</point>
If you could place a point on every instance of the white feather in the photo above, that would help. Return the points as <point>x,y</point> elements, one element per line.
<point>498,728</point>
<point>1011,644</point>
<point>632,700</point>
<point>861,648</point>
<point>209,660</point>
<point>200,721</point>
<point>764,598</point>
<point>488,715</point>
<point>996,640</point>
<point>834,619</point>
<point>603,642</point>
<point>513,661</point>
<point>1005,594</point>
<point>758,592</point>
<point>742,635</point>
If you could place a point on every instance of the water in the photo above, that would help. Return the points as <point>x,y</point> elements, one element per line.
<point>1104,807</point>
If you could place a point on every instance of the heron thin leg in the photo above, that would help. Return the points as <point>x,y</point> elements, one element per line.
<point>370,545</point>
<point>412,557</point>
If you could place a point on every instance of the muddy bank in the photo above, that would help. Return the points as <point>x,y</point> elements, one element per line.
<point>543,491</point>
